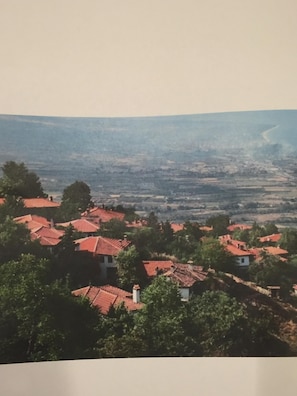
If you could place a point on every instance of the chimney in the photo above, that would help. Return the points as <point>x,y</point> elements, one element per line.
<point>136,294</point>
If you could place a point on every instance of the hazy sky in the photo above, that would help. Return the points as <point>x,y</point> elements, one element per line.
<point>146,57</point>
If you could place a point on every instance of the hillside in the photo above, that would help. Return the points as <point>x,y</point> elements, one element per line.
<point>283,315</point>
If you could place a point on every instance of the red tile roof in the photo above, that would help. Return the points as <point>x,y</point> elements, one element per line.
<point>235,251</point>
<point>151,267</point>
<point>206,228</point>
<point>81,225</point>
<point>105,297</point>
<point>2,201</point>
<point>270,238</point>
<point>275,251</point>
<point>47,236</point>
<point>98,215</point>
<point>32,221</point>
<point>233,227</point>
<point>99,245</point>
<point>186,275</point>
<point>40,203</point>
<point>176,227</point>
<point>227,239</point>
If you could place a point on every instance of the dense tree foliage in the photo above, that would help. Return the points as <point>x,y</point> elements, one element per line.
<point>270,270</point>
<point>76,199</point>
<point>129,268</point>
<point>78,268</point>
<point>212,254</point>
<point>12,207</point>
<point>288,240</point>
<point>219,223</point>
<point>18,181</point>
<point>14,240</point>
<point>41,320</point>
<point>160,323</point>
<point>113,228</point>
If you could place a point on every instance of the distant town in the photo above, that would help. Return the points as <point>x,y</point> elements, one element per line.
<point>82,280</point>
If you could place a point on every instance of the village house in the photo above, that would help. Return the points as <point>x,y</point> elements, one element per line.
<point>83,226</point>
<point>106,250</point>
<point>32,221</point>
<point>101,215</point>
<point>107,297</point>
<point>232,227</point>
<point>280,253</point>
<point>270,239</point>
<point>188,277</point>
<point>153,267</point>
<point>41,229</point>
<point>47,236</point>
<point>238,249</point>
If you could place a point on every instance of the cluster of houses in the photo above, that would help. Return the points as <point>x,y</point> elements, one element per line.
<point>188,277</point>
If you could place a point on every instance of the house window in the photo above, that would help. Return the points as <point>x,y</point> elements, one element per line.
<point>242,260</point>
<point>109,259</point>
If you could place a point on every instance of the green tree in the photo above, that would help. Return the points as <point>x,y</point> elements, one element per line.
<point>145,241</point>
<point>224,327</point>
<point>77,268</point>
<point>75,200</point>
<point>120,336</point>
<point>18,181</point>
<point>14,240</point>
<point>270,228</point>
<point>288,240</point>
<point>269,270</point>
<point>186,241</point>
<point>113,228</point>
<point>219,223</point>
<point>129,268</point>
<point>160,323</point>
<point>218,321</point>
<point>12,207</point>
<point>40,320</point>
<point>211,253</point>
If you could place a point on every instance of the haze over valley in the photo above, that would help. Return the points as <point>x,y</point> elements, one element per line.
<point>181,167</point>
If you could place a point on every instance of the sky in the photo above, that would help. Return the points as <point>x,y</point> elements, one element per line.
<point>110,58</point>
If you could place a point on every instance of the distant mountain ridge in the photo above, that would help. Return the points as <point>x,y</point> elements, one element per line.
<point>67,149</point>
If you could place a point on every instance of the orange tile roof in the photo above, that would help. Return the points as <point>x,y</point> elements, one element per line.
<point>2,201</point>
<point>176,227</point>
<point>233,227</point>
<point>151,267</point>
<point>235,251</point>
<point>227,239</point>
<point>40,203</point>
<point>270,238</point>
<point>81,225</point>
<point>99,245</point>
<point>105,297</point>
<point>186,275</point>
<point>276,251</point>
<point>47,236</point>
<point>99,215</point>
<point>206,228</point>
<point>32,221</point>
